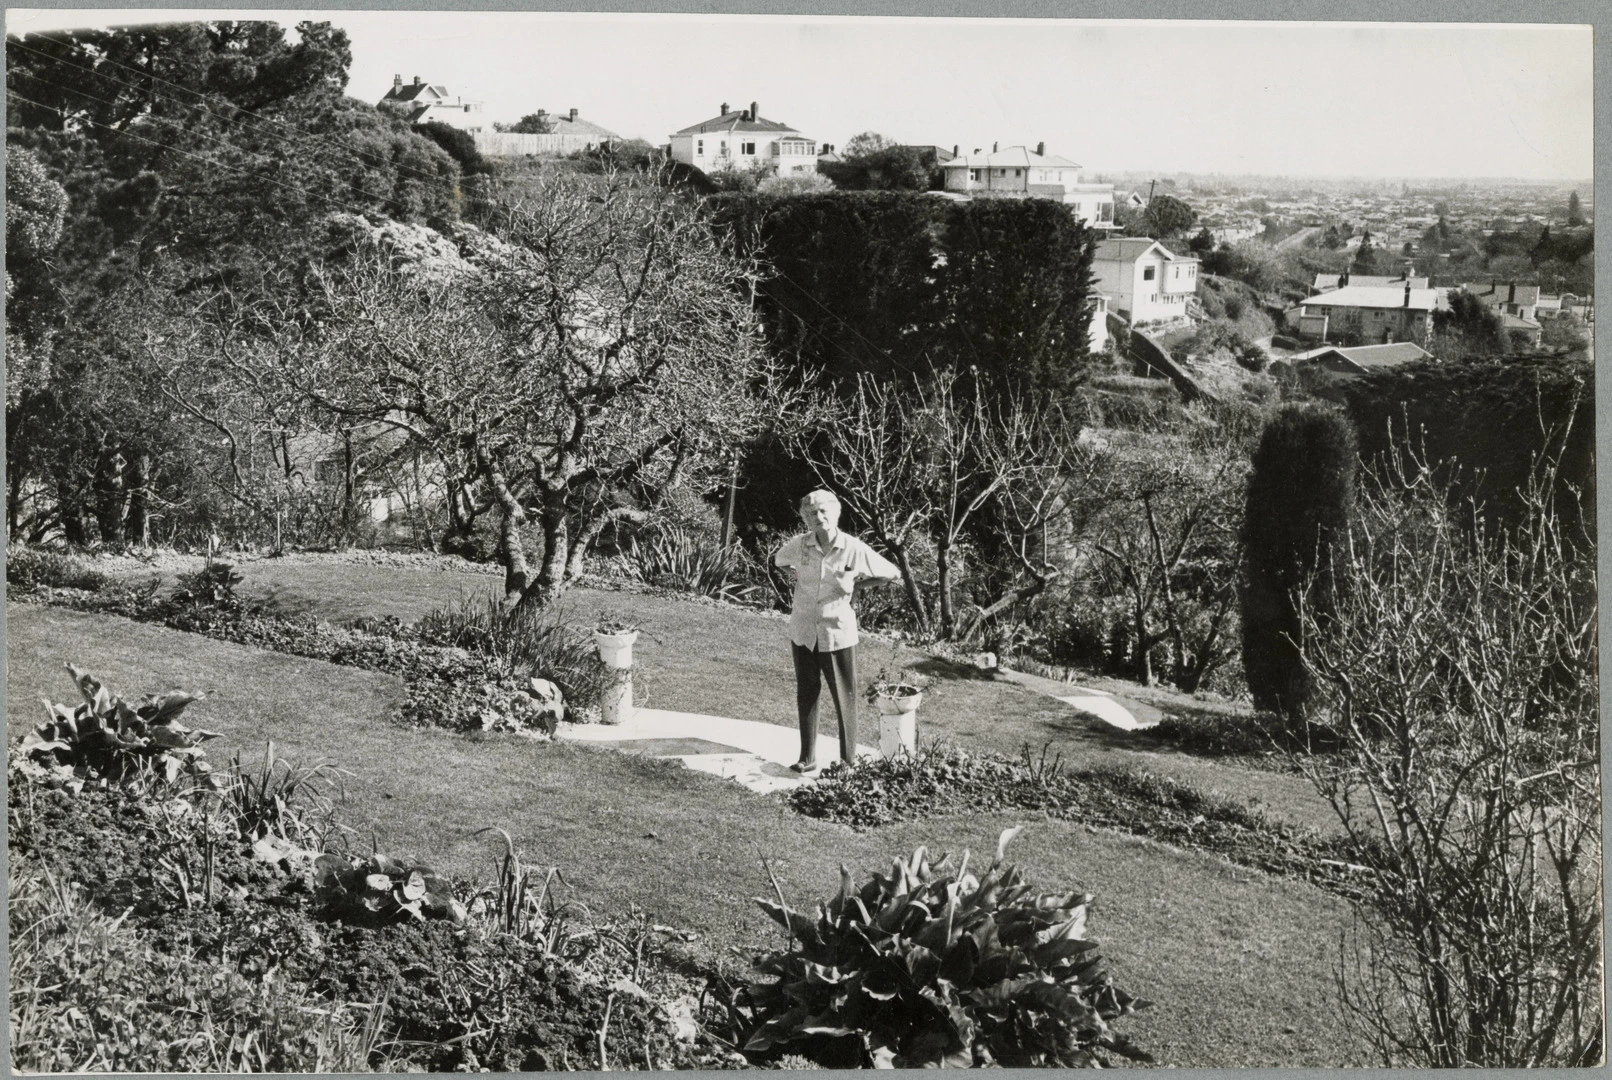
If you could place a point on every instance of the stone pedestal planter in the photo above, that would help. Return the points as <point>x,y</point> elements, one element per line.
<point>898,723</point>
<point>615,652</point>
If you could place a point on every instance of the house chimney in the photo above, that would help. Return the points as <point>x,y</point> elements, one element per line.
<point>573,114</point>
<point>397,82</point>
<point>1040,149</point>
<point>755,111</point>
<point>1343,279</point>
<point>1511,295</point>
<point>1407,293</point>
<point>993,148</point>
<point>955,148</point>
<point>724,108</point>
<point>418,81</point>
<point>542,117</point>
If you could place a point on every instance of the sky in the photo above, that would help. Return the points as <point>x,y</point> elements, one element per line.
<point>1311,99</point>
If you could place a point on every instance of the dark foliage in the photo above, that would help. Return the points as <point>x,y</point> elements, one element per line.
<point>1300,494</point>
<point>1491,422</point>
<point>460,145</point>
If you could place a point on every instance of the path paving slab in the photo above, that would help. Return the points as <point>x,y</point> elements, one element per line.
<point>748,752</point>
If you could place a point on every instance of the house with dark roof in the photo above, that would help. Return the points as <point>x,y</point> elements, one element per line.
<point>743,139</point>
<point>420,102</point>
<point>1020,173</point>
<point>1143,279</point>
<point>1331,363</point>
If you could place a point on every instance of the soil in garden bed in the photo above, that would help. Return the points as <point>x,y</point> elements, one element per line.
<point>456,999</point>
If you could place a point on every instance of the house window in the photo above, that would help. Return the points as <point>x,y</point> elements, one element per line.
<point>699,147</point>
<point>1147,273</point>
<point>747,148</point>
<point>1017,172</point>
<point>973,174</point>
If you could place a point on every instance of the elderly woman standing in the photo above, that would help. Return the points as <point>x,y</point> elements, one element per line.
<point>828,564</point>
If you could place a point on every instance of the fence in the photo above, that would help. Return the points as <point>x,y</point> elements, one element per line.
<point>518,144</point>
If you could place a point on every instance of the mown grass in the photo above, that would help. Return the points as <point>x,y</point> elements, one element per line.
<point>729,661</point>
<point>1238,964</point>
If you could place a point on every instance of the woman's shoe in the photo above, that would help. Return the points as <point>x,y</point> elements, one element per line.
<point>803,767</point>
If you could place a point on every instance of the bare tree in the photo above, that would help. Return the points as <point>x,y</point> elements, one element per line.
<point>1460,672</point>
<point>1166,531</point>
<point>940,466</point>
<point>597,351</point>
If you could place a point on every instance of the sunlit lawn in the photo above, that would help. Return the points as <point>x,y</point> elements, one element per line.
<point>1238,964</point>
<point>727,661</point>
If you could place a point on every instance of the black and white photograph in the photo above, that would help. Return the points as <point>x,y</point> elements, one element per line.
<point>616,540</point>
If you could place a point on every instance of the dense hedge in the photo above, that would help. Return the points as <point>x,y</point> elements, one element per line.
<point>1494,419</point>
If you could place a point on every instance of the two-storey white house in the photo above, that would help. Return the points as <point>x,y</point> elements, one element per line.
<point>742,139</point>
<point>1030,174</point>
<point>421,103</point>
<point>1143,279</point>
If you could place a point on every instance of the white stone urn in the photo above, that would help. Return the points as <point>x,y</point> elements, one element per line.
<point>615,652</point>
<point>898,722</point>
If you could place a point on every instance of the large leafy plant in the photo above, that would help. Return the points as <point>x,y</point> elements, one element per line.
<point>933,966</point>
<point>379,889</point>
<point>107,738</point>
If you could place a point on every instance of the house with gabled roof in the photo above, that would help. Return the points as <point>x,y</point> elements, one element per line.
<point>743,139</point>
<point>1021,173</point>
<point>420,102</point>
<point>1144,280</point>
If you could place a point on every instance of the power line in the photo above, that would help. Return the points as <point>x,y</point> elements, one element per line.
<point>301,135</point>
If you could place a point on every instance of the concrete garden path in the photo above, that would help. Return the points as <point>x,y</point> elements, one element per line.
<point>748,752</point>
<point>758,755</point>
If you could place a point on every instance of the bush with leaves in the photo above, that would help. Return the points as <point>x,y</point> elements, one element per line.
<point>933,966</point>
<point>677,559</point>
<point>31,569</point>
<point>107,738</point>
<point>1299,498</point>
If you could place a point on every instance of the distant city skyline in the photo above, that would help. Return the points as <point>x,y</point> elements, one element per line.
<point>1402,100</point>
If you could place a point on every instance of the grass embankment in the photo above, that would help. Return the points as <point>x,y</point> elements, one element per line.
<point>1237,963</point>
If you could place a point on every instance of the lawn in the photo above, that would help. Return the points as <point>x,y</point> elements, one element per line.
<point>728,661</point>
<point>1238,964</point>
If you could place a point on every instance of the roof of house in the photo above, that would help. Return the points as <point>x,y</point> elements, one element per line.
<point>1013,155</point>
<point>1498,292</point>
<point>411,91</point>
<point>735,120</point>
<point>1330,281</point>
<point>1131,248</point>
<point>1378,296</point>
<point>1517,322</point>
<point>1371,356</point>
<point>564,125</point>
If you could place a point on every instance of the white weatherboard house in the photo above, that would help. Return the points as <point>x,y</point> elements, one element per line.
<point>1030,174</point>
<point>741,139</point>
<point>419,102</point>
<point>1143,279</point>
